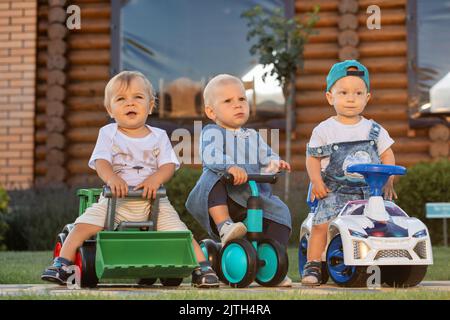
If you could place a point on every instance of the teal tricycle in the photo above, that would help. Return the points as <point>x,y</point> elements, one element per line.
<point>253,258</point>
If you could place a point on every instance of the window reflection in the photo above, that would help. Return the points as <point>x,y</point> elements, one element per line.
<point>432,43</point>
<point>180,45</point>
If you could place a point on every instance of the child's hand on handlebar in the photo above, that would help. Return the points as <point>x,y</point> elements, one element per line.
<point>119,187</point>
<point>388,190</point>
<point>150,186</point>
<point>239,175</point>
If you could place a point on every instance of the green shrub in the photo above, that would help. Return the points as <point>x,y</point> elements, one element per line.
<point>425,182</point>
<point>4,200</point>
<point>37,215</point>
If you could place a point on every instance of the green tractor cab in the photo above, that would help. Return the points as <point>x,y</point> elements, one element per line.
<point>131,250</point>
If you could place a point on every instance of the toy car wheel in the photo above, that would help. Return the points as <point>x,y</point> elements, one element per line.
<point>85,260</point>
<point>60,238</point>
<point>403,276</point>
<point>147,281</point>
<point>274,263</point>
<point>171,282</point>
<point>303,258</point>
<point>238,262</point>
<point>302,254</point>
<point>343,275</point>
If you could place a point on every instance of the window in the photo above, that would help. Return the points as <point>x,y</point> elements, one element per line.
<point>354,208</point>
<point>429,45</point>
<point>179,45</point>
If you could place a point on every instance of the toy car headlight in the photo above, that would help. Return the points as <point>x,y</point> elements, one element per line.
<point>363,249</point>
<point>420,234</point>
<point>357,234</point>
<point>360,249</point>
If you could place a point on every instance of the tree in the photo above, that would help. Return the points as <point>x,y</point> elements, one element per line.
<point>280,42</point>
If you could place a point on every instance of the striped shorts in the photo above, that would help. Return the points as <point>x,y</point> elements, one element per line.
<point>133,210</point>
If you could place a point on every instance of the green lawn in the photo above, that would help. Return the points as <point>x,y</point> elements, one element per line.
<point>26,267</point>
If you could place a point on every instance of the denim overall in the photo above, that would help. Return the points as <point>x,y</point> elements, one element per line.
<point>344,186</point>
<point>197,202</point>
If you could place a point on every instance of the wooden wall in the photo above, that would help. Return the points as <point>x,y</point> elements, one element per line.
<point>383,51</point>
<point>87,72</point>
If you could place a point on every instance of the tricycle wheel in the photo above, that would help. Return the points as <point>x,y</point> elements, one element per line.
<point>403,276</point>
<point>171,282</point>
<point>211,250</point>
<point>85,260</point>
<point>238,261</point>
<point>274,261</point>
<point>147,281</point>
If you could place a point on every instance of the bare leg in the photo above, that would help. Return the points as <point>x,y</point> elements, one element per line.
<point>316,246</point>
<point>198,252</point>
<point>219,214</point>
<point>80,233</point>
<point>204,276</point>
<point>317,241</point>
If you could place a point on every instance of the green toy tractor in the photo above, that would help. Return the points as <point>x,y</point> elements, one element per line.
<point>131,250</point>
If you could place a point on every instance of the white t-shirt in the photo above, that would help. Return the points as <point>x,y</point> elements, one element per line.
<point>332,131</point>
<point>133,159</point>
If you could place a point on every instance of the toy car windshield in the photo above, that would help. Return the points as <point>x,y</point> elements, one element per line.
<point>356,208</point>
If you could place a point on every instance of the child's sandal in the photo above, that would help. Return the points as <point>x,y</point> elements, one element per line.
<point>312,273</point>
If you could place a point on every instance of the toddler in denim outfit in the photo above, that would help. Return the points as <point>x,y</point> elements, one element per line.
<point>226,146</point>
<point>345,139</point>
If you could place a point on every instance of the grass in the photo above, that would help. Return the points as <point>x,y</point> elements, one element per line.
<point>26,267</point>
<point>404,294</point>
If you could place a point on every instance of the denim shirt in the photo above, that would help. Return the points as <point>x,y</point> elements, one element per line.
<point>219,150</point>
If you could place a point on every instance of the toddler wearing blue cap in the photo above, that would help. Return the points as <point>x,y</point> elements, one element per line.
<point>341,140</point>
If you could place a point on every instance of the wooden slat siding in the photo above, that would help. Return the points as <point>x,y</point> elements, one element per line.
<point>88,71</point>
<point>41,89</point>
<point>384,53</point>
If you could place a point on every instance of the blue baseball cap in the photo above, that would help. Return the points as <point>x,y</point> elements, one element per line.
<point>340,70</point>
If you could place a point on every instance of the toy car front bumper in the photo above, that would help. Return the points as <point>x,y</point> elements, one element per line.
<point>387,251</point>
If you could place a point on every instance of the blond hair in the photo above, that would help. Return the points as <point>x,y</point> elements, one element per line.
<point>221,79</point>
<point>124,78</point>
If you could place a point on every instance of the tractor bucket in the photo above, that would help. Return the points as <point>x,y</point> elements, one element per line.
<point>144,254</point>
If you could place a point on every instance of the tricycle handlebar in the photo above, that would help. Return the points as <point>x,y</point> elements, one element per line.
<point>259,178</point>
<point>107,193</point>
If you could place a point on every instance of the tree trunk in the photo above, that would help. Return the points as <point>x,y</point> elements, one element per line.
<point>289,94</point>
